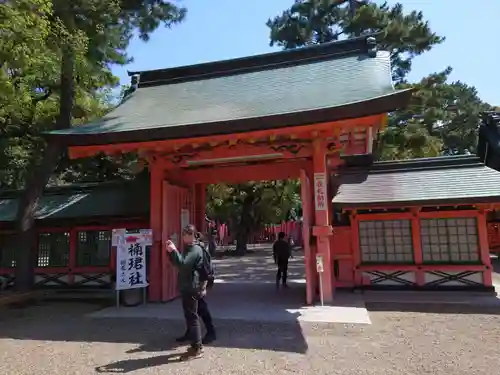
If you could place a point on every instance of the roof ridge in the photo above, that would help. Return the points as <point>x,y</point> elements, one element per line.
<point>76,188</point>
<point>442,162</point>
<point>354,46</point>
<point>432,159</point>
<point>427,168</point>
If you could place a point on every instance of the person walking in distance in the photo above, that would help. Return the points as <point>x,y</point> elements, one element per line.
<point>281,254</point>
<point>192,281</point>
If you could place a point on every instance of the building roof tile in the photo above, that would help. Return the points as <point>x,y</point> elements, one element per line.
<point>84,201</point>
<point>289,88</point>
<point>429,181</point>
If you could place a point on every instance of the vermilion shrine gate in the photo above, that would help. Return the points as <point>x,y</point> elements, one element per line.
<point>312,113</point>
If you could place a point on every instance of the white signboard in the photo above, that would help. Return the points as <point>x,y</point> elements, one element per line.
<point>185,218</point>
<point>116,236</point>
<point>319,263</point>
<point>319,268</point>
<point>320,196</point>
<point>131,257</point>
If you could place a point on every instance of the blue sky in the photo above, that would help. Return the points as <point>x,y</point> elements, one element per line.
<point>223,29</point>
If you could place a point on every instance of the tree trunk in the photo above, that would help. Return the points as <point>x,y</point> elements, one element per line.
<point>245,226</point>
<point>26,254</point>
<point>241,242</point>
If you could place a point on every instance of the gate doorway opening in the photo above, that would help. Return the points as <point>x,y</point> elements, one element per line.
<point>255,264</point>
<point>244,221</point>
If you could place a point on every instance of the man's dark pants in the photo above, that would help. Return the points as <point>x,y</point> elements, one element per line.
<point>282,273</point>
<point>195,307</point>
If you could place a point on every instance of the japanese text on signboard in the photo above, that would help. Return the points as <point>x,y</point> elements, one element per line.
<point>131,260</point>
<point>320,191</point>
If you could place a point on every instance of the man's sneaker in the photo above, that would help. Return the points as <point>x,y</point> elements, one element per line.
<point>209,338</point>
<point>192,353</point>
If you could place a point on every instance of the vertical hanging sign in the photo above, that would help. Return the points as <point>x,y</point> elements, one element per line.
<point>131,257</point>
<point>320,199</point>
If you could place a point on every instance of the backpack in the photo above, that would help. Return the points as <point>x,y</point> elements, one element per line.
<point>207,271</point>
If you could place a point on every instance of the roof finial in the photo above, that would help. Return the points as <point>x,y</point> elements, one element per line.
<point>371,44</point>
<point>134,81</point>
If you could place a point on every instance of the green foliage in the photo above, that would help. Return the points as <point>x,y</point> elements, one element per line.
<point>33,35</point>
<point>441,119</point>
<point>251,205</point>
<point>28,67</point>
<point>319,21</point>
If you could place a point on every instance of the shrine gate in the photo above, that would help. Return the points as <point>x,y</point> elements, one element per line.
<point>311,114</point>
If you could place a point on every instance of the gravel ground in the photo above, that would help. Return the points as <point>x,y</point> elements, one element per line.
<point>57,339</point>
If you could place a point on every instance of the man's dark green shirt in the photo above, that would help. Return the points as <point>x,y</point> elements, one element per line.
<point>188,263</point>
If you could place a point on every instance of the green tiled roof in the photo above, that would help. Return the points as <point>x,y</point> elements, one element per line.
<point>80,202</point>
<point>317,78</point>
<point>441,180</point>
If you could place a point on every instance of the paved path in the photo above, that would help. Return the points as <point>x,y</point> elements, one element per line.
<point>258,267</point>
<point>245,290</point>
<point>61,339</point>
<point>58,339</point>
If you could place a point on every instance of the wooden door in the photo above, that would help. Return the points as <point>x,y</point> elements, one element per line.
<point>177,211</point>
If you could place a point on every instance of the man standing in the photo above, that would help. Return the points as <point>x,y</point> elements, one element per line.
<point>281,254</point>
<point>212,238</point>
<point>193,291</point>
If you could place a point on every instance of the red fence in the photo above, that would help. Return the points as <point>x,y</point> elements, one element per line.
<point>267,234</point>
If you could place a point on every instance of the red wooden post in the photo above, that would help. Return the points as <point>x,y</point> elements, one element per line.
<point>73,247</point>
<point>417,249</point>
<point>484,251</point>
<point>155,263</point>
<point>305,192</point>
<point>356,250</point>
<point>322,229</point>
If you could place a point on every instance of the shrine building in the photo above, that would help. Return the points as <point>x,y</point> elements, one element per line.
<point>312,114</point>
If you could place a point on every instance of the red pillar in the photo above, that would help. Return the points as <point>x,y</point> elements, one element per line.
<point>155,222</point>
<point>484,249</point>
<point>417,248</point>
<point>322,229</point>
<point>356,250</point>
<point>73,247</point>
<point>305,192</point>
<point>200,198</point>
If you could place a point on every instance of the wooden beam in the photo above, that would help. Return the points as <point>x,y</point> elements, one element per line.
<point>327,128</point>
<point>282,150</point>
<point>241,173</point>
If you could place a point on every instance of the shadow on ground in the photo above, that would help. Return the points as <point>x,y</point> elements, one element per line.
<point>61,321</point>
<point>249,314</point>
<point>135,364</point>
<point>435,302</point>
<point>278,337</point>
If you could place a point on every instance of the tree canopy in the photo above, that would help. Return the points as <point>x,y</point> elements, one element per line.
<point>442,117</point>
<point>405,35</point>
<point>33,35</point>
<point>56,58</point>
